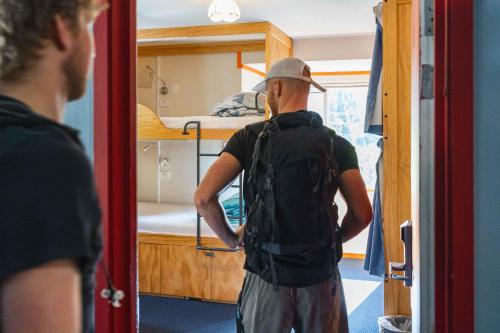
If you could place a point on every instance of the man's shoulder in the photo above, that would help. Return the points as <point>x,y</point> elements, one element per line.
<point>255,128</point>
<point>43,148</point>
<point>249,132</point>
<point>337,139</point>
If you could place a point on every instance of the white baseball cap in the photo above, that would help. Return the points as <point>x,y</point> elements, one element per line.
<point>292,68</point>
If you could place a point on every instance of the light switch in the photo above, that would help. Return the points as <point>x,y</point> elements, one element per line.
<point>174,89</point>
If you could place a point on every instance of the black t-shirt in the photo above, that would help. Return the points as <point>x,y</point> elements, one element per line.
<point>300,274</point>
<point>48,203</point>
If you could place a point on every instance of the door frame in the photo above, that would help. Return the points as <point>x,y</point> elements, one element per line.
<point>454,159</point>
<point>115,164</point>
<point>115,160</point>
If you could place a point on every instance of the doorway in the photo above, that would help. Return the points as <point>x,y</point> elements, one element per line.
<point>180,265</point>
<point>115,164</point>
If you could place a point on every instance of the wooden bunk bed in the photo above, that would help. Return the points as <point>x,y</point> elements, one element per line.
<point>151,127</point>
<point>188,266</point>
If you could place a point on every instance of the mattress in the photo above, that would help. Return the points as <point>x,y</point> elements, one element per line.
<point>211,122</point>
<point>166,218</point>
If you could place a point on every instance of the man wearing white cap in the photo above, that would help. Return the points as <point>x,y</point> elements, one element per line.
<point>293,167</point>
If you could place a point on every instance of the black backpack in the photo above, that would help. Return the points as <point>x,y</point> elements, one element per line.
<point>293,182</point>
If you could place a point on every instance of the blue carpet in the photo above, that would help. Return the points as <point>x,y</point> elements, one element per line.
<point>168,315</point>
<point>364,319</point>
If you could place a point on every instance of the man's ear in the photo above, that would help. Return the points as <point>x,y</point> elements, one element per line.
<point>63,36</point>
<point>278,87</point>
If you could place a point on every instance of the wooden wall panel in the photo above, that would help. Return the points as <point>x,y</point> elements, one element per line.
<point>181,240</point>
<point>278,46</point>
<point>149,268</point>
<point>171,265</point>
<point>227,275</point>
<point>185,272</point>
<point>204,30</point>
<point>396,202</point>
<point>149,50</point>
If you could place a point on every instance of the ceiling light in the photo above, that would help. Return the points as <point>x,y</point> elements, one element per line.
<point>224,10</point>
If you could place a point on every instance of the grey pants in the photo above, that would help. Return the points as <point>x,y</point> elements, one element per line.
<point>311,309</point>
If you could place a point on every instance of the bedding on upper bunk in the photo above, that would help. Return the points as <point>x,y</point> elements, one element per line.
<point>241,105</point>
<point>176,219</point>
<point>210,122</point>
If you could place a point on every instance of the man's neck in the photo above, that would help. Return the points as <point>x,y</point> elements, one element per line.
<point>42,94</point>
<point>292,108</point>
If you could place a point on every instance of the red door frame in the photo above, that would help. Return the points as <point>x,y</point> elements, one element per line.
<point>454,205</point>
<point>115,165</point>
<point>115,159</point>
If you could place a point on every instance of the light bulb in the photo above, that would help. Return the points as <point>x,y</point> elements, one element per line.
<point>224,10</point>
<point>215,12</point>
<point>233,15</point>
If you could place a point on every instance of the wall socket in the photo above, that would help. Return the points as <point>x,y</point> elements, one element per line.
<point>164,102</point>
<point>165,175</point>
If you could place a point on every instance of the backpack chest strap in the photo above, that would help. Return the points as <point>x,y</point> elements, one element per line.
<point>293,249</point>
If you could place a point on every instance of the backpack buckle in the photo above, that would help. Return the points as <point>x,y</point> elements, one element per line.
<point>272,125</point>
<point>268,184</point>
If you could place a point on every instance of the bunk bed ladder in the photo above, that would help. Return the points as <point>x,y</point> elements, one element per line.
<point>199,155</point>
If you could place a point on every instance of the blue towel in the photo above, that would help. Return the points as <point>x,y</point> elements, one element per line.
<point>233,210</point>
<point>375,256</point>
<point>373,117</point>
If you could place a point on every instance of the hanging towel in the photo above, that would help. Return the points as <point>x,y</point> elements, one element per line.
<point>375,257</point>
<point>373,118</point>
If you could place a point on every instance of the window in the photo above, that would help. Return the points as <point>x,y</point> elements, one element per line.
<point>343,109</point>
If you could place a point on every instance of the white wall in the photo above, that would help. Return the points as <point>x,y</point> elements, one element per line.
<point>146,167</point>
<point>147,96</point>
<point>202,81</point>
<point>180,185</point>
<point>334,48</point>
<point>147,171</point>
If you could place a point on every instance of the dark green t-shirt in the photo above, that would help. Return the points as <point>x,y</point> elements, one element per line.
<point>302,274</point>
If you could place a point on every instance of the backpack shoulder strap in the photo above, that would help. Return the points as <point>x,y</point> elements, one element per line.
<point>265,131</point>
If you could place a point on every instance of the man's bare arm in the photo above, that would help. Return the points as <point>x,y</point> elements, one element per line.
<point>359,210</point>
<point>44,299</point>
<point>206,198</point>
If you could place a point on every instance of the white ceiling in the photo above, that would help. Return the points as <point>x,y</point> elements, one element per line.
<point>297,18</point>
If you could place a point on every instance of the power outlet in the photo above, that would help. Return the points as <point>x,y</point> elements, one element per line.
<point>166,175</point>
<point>164,102</point>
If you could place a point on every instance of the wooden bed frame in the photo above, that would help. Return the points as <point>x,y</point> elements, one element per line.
<point>172,265</point>
<point>265,36</point>
<point>150,127</point>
